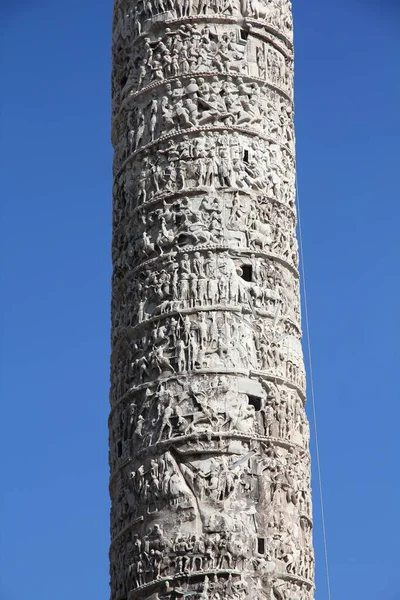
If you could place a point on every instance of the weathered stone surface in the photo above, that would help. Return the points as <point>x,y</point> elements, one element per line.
<point>210,470</point>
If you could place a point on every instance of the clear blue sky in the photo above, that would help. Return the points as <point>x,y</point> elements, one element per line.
<point>55,268</point>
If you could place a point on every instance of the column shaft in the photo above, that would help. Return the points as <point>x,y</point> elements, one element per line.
<point>209,458</point>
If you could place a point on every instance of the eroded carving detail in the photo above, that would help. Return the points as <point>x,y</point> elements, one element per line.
<point>209,441</point>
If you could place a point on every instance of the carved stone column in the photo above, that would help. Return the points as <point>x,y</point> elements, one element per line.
<point>210,469</point>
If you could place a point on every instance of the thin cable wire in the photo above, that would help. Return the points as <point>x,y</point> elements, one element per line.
<point>313,403</point>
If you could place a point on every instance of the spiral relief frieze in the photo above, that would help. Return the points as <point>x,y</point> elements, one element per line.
<point>209,440</point>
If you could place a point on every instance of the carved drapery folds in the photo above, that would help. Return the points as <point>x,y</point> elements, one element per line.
<point>210,473</point>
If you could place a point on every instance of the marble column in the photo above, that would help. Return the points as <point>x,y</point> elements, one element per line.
<point>209,440</point>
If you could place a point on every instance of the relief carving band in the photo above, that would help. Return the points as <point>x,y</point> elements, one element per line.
<point>209,439</point>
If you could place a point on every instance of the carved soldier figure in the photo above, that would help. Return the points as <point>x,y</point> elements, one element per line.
<point>181,356</point>
<point>166,422</point>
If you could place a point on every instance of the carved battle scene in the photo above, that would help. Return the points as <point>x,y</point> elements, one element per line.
<point>209,440</point>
